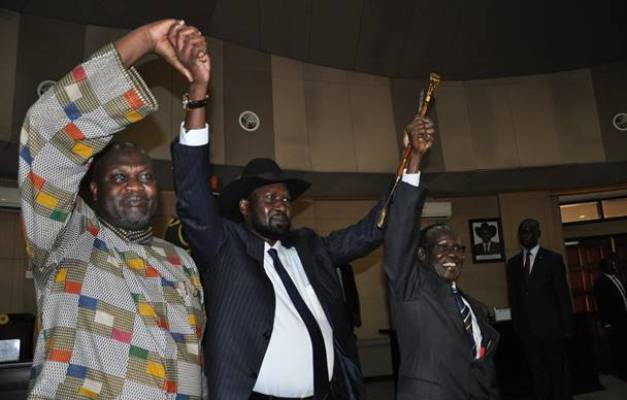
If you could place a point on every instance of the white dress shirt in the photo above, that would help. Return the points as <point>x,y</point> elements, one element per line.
<point>289,352</point>
<point>532,256</point>
<point>476,330</point>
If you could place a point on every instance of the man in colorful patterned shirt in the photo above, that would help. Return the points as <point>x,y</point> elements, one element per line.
<point>120,312</point>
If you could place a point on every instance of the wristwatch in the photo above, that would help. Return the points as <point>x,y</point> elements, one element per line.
<point>189,104</point>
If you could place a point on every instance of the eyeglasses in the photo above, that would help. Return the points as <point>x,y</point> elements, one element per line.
<point>445,248</point>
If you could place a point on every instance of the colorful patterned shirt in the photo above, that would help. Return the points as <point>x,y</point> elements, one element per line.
<point>118,316</point>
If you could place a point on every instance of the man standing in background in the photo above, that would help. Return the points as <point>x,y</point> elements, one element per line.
<point>611,298</point>
<point>539,298</point>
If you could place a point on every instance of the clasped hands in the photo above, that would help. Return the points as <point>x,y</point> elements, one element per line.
<point>182,46</point>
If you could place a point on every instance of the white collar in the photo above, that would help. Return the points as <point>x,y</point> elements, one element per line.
<point>534,251</point>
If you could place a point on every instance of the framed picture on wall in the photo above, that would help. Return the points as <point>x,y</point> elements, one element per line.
<point>487,240</point>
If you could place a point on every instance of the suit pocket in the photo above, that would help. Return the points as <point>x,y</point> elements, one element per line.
<point>419,387</point>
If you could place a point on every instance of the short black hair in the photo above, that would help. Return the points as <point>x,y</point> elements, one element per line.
<point>429,234</point>
<point>530,221</point>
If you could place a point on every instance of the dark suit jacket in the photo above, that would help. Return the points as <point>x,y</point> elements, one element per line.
<point>610,302</point>
<point>493,248</point>
<point>541,309</point>
<point>239,296</point>
<point>436,356</point>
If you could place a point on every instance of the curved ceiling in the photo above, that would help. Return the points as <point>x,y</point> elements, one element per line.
<point>397,38</point>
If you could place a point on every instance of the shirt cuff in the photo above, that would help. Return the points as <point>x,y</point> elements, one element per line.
<point>193,137</point>
<point>411,179</point>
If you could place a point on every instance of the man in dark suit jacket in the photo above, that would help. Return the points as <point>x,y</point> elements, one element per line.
<point>445,341</point>
<point>541,308</point>
<point>612,305</point>
<point>278,326</point>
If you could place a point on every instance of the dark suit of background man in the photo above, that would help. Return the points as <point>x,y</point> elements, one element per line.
<point>539,298</point>
<point>279,326</point>
<point>612,305</point>
<point>445,341</point>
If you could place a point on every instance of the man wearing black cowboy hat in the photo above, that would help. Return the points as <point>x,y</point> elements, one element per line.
<point>278,327</point>
<point>487,246</point>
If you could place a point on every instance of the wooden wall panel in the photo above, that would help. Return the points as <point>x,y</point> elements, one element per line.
<point>328,119</point>
<point>247,86</point>
<point>373,131</point>
<point>610,89</point>
<point>56,45</point>
<point>491,126</point>
<point>454,128</point>
<point>578,127</point>
<point>9,28</point>
<point>216,102</point>
<point>533,115</point>
<point>291,144</point>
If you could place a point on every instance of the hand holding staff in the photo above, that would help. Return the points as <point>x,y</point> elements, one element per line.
<point>421,140</point>
<point>418,137</point>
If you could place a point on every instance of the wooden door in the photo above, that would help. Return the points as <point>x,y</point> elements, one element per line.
<point>583,267</point>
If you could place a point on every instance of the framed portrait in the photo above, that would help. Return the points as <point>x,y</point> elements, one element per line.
<point>487,240</point>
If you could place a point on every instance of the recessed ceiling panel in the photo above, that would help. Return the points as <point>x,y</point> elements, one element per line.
<point>285,27</point>
<point>403,38</point>
<point>383,35</point>
<point>335,32</point>
<point>236,21</point>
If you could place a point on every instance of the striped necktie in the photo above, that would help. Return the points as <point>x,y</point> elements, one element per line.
<point>464,310</point>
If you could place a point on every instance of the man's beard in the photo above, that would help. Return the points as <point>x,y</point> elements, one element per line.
<point>122,215</point>
<point>270,230</point>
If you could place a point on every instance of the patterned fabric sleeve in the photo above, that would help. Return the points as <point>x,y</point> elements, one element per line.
<point>61,133</point>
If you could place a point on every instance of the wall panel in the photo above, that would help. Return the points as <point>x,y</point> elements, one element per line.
<point>291,143</point>
<point>9,29</point>
<point>491,126</point>
<point>577,121</point>
<point>454,128</point>
<point>374,135</point>
<point>247,86</point>
<point>329,125</point>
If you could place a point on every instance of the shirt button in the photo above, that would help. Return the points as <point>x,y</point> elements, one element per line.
<point>266,335</point>
<point>253,375</point>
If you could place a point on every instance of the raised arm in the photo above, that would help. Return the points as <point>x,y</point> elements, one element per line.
<point>402,229</point>
<point>195,205</point>
<point>349,243</point>
<point>72,122</point>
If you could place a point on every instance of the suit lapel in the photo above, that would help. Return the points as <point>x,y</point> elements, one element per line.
<point>254,247</point>
<point>443,292</point>
<point>323,293</point>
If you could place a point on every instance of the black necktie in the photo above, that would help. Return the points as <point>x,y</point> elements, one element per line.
<point>527,266</point>
<point>464,310</point>
<point>321,373</point>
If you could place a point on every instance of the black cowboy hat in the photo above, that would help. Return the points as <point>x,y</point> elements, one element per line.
<point>491,229</point>
<point>257,173</point>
